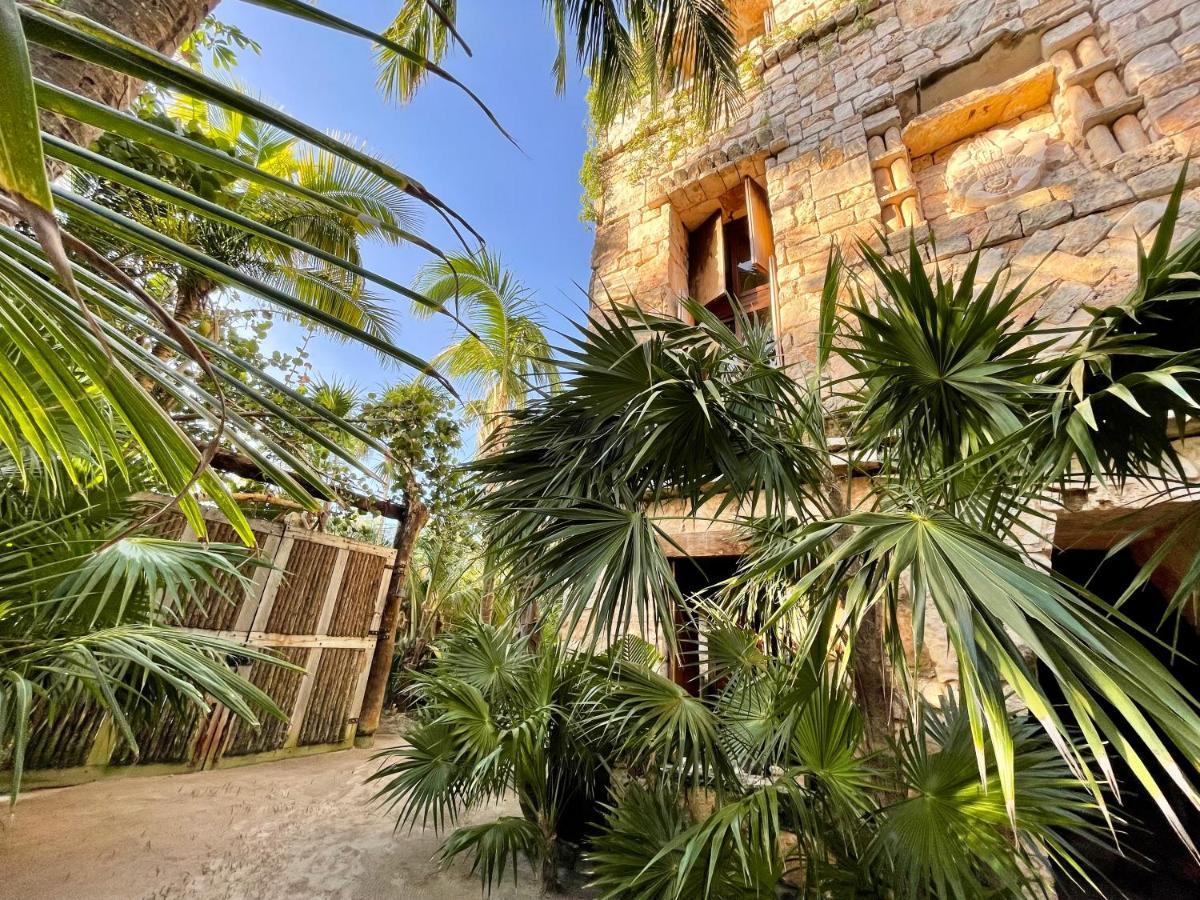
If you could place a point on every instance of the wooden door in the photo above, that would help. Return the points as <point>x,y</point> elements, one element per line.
<point>706,261</point>
<point>762,233</point>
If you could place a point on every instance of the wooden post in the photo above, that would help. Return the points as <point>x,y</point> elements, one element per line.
<point>415,517</point>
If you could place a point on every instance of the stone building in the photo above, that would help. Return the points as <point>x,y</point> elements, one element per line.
<point>1046,133</point>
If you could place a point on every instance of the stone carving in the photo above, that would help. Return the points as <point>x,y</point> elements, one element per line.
<point>993,167</point>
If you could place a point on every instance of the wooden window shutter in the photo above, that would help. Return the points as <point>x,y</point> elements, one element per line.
<point>706,261</point>
<point>762,234</point>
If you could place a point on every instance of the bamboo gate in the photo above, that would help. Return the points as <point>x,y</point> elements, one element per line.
<point>318,607</point>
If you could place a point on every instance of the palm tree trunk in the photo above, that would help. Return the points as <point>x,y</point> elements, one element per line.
<point>385,646</point>
<point>873,686</point>
<point>188,302</point>
<point>550,883</point>
<point>160,24</point>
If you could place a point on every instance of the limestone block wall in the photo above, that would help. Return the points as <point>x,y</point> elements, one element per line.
<point>1044,133</point>
<point>1105,95</point>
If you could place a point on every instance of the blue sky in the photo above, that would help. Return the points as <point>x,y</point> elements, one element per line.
<point>526,205</point>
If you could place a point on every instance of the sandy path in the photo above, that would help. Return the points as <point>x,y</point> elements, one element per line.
<point>291,829</point>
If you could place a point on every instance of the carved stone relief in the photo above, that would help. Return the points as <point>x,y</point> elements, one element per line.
<point>994,167</point>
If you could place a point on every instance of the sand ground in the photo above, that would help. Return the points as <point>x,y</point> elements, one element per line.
<point>291,829</point>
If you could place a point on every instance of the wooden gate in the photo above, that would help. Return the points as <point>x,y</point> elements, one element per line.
<point>318,607</point>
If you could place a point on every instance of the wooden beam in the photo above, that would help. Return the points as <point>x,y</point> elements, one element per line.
<point>244,467</point>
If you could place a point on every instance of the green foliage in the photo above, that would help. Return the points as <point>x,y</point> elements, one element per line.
<point>116,376</point>
<point>672,410</point>
<point>98,344</point>
<point>418,28</point>
<point>591,180</point>
<point>87,612</point>
<point>216,44</point>
<point>914,820</point>
<point>505,355</point>
<point>969,416</point>
<point>495,715</point>
<point>627,49</point>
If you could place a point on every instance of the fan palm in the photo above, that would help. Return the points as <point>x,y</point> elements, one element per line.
<point>506,354</point>
<point>90,596</point>
<point>968,427</point>
<point>88,609</point>
<point>780,790</point>
<point>444,588</point>
<point>495,717</point>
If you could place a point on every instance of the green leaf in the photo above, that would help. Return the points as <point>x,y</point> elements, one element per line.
<point>22,167</point>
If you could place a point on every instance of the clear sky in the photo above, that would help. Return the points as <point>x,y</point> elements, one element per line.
<point>526,205</point>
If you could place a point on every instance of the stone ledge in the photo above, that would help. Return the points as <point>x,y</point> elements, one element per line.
<point>979,110</point>
<point>774,55</point>
<point>765,141</point>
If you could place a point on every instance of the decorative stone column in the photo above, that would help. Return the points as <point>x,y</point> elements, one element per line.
<point>1097,106</point>
<point>892,172</point>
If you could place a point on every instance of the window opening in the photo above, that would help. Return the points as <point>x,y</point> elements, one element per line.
<point>731,257</point>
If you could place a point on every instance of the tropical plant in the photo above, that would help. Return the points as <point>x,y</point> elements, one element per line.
<point>494,717</point>
<point>88,609</point>
<point>443,589</point>
<point>808,810</point>
<point>627,48</point>
<point>272,252</point>
<point>968,425</point>
<point>505,355</point>
<point>765,785</point>
<point>99,379</point>
<point>108,366</point>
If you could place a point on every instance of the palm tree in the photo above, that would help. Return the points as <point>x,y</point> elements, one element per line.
<point>505,355</point>
<point>375,211</point>
<point>89,609</point>
<point>515,734</point>
<point>968,426</point>
<point>628,49</point>
<point>91,594</point>
<point>78,331</point>
<point>767,783</point>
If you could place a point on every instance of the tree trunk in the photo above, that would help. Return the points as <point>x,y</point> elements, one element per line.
<point>188,303</point>
<point>160,24</point>
<point>381,662</point>
<point>550,884</point>
<point>873,687</point>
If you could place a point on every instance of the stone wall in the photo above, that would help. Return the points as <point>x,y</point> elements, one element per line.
<point>1044,133</point>
<point>1102,99</point>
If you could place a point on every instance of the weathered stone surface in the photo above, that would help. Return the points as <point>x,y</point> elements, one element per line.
<point>979,110</point>
<point>1093,193</point>
<point>1144,38</point>
<point>1067,35</point>
<point>1045,216</point>
<point>1139,161</point>
<point>1087,269</point>
<point>993,167</point>
<point>1063,301</point>
<point>1152,61</point>
<point>1035,250</point>
<point>1083,234</point>
<point>848,175</point>
<point>1143,218</point>
<point>1162,180</point>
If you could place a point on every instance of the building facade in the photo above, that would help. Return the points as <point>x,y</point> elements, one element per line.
<point>1045,133</point>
